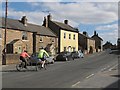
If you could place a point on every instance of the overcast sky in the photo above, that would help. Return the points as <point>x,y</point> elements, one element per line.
<point>87,16</point>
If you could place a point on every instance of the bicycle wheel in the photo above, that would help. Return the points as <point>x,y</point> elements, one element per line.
<point>45,66</point>
<point>37,66</point>
<point>19,66</point>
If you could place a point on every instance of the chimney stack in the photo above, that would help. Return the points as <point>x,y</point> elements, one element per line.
<point>85,33</point>
<point>95,33</point>
<point>24,20</point>
<point>66,22</point>
<point>45,22</point>
<point>49,17</point>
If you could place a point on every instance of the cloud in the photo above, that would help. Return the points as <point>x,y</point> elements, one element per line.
<point>33,17</point>
<point>32,0</point>
<point>61,1</point>
<point>90,0</point>
<point>108,32</point>
<point>108,27</point>
<point>88,13</point>
<point>76,13</point>
<point>110,36</point>
<point>85,12</point>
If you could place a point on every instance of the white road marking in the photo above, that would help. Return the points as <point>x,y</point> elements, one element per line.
<point>90,76</point>
<point>76,84</point>
<point>103,69</point>
<point>113,67</point>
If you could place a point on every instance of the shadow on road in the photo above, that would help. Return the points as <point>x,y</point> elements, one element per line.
<point>115,52</point>
<point>116,76</point>
<point>113,86</point>
<point>18,71</point>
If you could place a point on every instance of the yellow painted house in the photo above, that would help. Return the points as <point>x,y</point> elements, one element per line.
<point>67,35</point>
<point>68,41</point>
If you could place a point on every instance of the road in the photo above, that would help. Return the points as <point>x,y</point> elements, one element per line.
<point>61,74</point>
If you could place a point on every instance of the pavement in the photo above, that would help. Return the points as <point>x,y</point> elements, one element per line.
<point>106,78</point>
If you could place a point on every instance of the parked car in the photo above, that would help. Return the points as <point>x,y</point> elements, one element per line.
<point>81,54</point>
<point>34,56</point>
<point>64,56</point>
<point>75,54</point>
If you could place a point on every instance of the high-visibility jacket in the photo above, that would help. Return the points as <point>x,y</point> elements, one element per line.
<point>41,53</point>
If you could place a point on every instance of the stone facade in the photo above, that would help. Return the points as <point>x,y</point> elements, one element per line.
<point>86,44</point>
<point>90,45</point>
<point>49,43</point>
<point>17,47</point>
<point>16,34</point>
<point>21,36</point>
<point>0,51</point>
<point>98,42</point>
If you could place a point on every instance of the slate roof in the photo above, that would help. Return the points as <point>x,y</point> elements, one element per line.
<point>17,25</point>
<point>41,30</point>
<point>97,37</point>
<point>65,26</point>
<point>86,36</point>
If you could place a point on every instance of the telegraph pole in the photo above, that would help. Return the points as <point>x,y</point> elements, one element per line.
<point>4,58</point>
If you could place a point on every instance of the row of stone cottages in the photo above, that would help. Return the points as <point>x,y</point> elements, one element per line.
<point>54,36</point>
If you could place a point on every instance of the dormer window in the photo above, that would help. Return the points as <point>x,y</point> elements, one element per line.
<point>24,35</point>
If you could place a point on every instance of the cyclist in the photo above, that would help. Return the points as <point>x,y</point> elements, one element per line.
<point>42,55</point>
<point>23,57</point>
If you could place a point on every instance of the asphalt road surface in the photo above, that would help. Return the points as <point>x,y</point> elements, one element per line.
<point>61,74</point>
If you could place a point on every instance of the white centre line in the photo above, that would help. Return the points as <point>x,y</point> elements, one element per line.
<point>90,76</point>
<point>103,69</point>
<point>113,67</point>
<point>76,84</point>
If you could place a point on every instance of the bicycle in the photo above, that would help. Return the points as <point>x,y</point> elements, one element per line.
<point>21,64</point>
<point>40,65</point>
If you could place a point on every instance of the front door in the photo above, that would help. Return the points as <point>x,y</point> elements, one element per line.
<point>69,48</point>
<point>19,49</point>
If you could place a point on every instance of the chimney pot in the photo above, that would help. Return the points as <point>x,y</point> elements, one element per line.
<point>49,17</point>
<point>95,33</point>
<point>66,21</point>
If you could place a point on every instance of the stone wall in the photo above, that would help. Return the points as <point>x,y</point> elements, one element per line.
<point>12,58</point>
